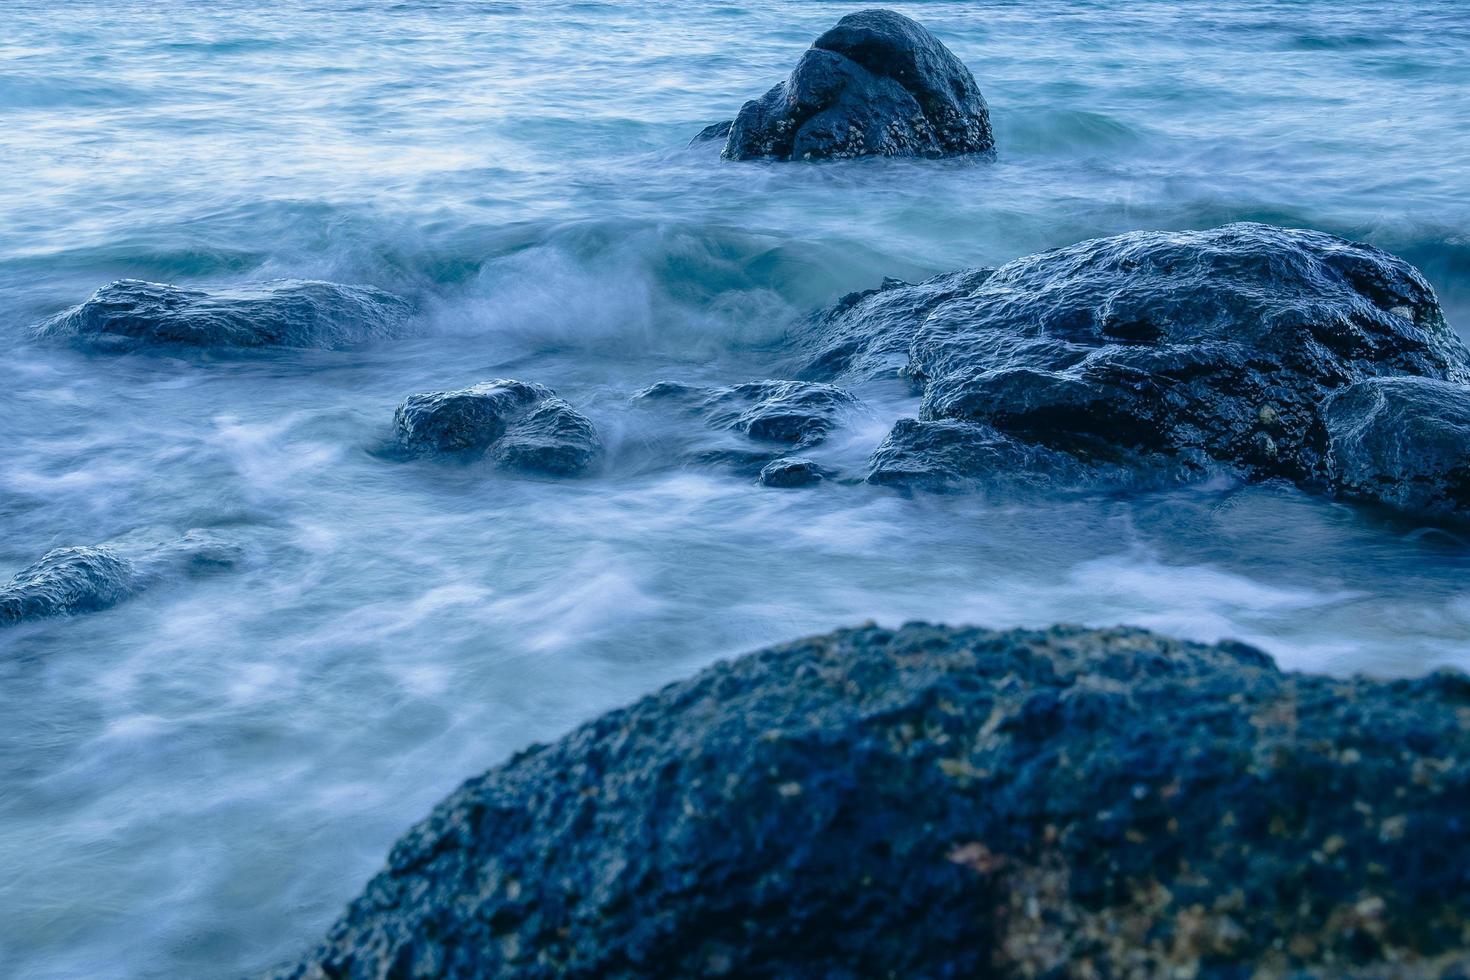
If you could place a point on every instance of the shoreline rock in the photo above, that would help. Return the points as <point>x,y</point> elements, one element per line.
<point>937,801</point>
<point>1152,358</point>
<point>876,84</point>
<point>285,313</point>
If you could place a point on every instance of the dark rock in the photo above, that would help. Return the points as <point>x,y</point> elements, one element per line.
<point>876,84</point>
<point>552,438</point>
<point>938,802</point>
<point>948,454</point>
<point>790,471</point>
<point>1180,354</point>
<point>1401,442</point>
<point>522,425</point>
<point>67,581</point>
<point>868,334</point>
<point>70,581</point>
<point>717,131</point>
<point>463,421</point>
<point>797,412</point>
<point>297,313</point>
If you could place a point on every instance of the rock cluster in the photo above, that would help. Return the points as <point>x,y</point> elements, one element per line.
<point>953,802</point>
<point>1164,356</point>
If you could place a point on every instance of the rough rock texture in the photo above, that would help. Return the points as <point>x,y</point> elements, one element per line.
<point>67,581</point>
<point>466,420</point>
<point>521,425</point>
<point>790,471</point>
<point>877,84</point>
<point>299,313</point>
<point>552,438</point>
<point>938,802</point>
<point>798,412</point>
<point>1404,442</point>
<point>70,581</point>
<point>868,334</point>
<point>1156,356</point>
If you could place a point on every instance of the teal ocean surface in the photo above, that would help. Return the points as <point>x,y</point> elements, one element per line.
<point>193,783</point>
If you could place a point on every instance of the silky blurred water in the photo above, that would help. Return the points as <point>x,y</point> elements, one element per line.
<point>194,783</point>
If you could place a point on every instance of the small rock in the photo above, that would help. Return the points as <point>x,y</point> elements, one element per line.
<point>790,471</point>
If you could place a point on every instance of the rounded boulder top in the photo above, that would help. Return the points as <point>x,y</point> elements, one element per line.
<point>876,84</point>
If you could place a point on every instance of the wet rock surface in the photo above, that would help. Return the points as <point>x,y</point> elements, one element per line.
<point>876,84</point>
<point>75,580</point>
<point>1157,357</point>
<point>953,802</point>
<point>131,314</point>
<point>800,413</point>
<point>66,581</point>
<point>868,334</point>
<point>1401,442</point>
<point>790,472</point>
<point>520,425</point>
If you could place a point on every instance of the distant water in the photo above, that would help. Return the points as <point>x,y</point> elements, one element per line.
<point>192,784</point>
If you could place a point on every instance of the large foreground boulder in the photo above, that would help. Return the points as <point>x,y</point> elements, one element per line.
<point>1167,356</point>
<point>131,313</point>
<point>938,802</point>
<point>520,425</point>
<point>877,84</point>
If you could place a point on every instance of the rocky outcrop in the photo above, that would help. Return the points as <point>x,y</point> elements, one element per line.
<point>953,802</point>
<point>877,84</point>
<point>800,413</point>
<point>520,425</point>
<point>1159,357</point>
<point>131,314</point>
<point>71,581</point>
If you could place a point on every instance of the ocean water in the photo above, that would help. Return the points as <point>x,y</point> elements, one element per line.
<point>193,783</point>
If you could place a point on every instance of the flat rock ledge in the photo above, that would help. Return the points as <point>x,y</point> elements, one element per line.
<point>945,802</point>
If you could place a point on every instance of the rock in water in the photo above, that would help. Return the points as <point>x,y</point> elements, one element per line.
<point>70,581</point>
<point>1402,442</point>
<point>797,412</point>
<point>522,425</point>
<point>952,803</point>
<point>296,313</point>
<point>877,84</point>
<point>552,438</point>
<point>1155,355</point>
<point>789,472</point>
<point>67,581</point>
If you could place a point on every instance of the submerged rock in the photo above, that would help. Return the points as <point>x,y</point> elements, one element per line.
<point>1157,355</point>
<point>953,802</point>
<point>131,313</point>
<point>521,425</point>
<point>67,581</point>
<point>877,84</point>
<point>801,413</point>
<point>71,581</point>
<point>789,472</point>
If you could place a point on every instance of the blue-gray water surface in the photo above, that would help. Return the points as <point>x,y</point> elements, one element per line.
<point>192,784</point>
